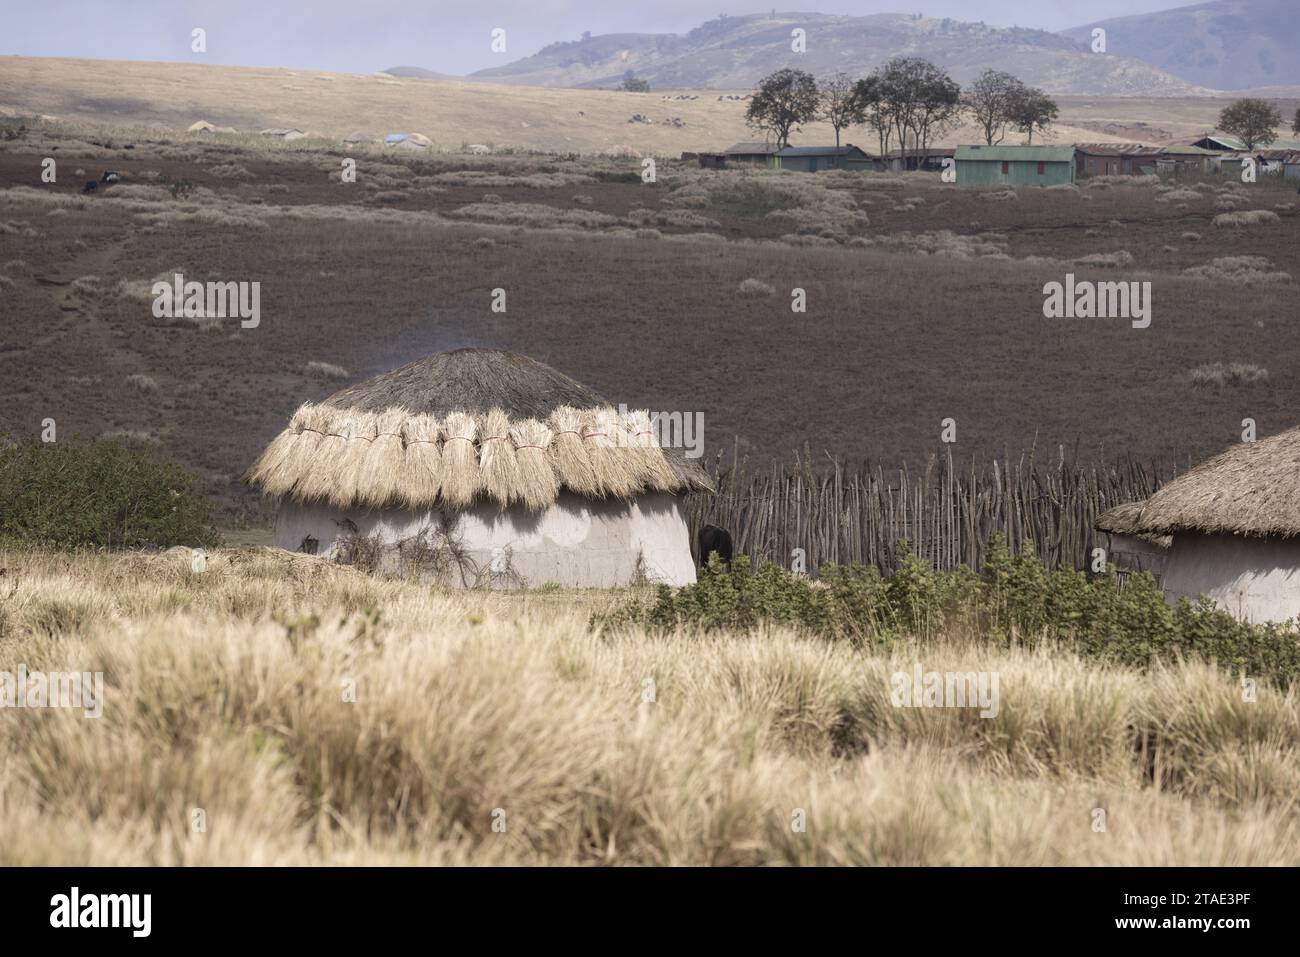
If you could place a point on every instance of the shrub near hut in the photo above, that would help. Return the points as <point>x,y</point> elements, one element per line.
<point>103,493</point>
<point>1015,601</point>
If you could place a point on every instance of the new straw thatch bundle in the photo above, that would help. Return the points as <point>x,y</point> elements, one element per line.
<point>327,464</point>
<point>359,433</point>
<point>270,470</point>
<point>537,481</point>
<point>569,455</point>
<point>379,472</point>
<point>313,421</point>
<point>419,476</point>
<point>603,438</point>
<point>653,469</point>
<point>461,477</point>
<point>497,460</point>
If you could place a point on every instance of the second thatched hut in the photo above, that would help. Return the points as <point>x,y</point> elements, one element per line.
<point>1233,530</point>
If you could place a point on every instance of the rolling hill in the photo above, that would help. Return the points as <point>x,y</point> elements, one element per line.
<point>171,96</point>
<point>735,52</point>
<point>1227,44</point>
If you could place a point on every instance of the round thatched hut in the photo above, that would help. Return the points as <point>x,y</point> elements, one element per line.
<point>1234,529</point>
<point>482,467</point>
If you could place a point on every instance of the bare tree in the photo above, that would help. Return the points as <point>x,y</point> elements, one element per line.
<point>989,100</point>
<point>870,98</point>
<point>839,104</point>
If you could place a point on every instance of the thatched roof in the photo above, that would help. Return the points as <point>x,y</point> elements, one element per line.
<point>1251,489</point>
<point>474,424</point>
<point>1120,520</point>
<point>1126,519</point>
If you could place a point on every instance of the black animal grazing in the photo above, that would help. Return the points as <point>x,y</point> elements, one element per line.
<point>715,540</point>
<point>110,176</point>
<point>90,187</point>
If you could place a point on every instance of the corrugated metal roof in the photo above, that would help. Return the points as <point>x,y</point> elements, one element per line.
<point>1177,149</point>
<point>1118,149</point>
<point>764,148</point>
<point>820,150</point>
<point>1232,143</point>
<point>1030,154</point>
<point>928,151</point>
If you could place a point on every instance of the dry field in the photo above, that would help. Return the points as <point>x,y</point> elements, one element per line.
<point>452,113</point>
<point>226,704</point>
<point>924,301</point>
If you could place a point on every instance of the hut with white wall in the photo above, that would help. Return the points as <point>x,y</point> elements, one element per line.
<point>1233,524</point>
<point>482,467</point>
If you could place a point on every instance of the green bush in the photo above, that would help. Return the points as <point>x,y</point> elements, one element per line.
<point>100,493</point>
<point>1016,600</point>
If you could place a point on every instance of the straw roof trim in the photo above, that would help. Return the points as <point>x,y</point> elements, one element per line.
<point>1126,520</point>
<point>349,457</point>
<point>1251,489</point>
<point>1120,520</point>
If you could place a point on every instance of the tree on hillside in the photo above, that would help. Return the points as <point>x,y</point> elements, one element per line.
<point>1254,122</point>
<point>839,105</point>
<point>1295,123</point>
<point>784,100</point>
<point>989,100</point>
<point>1032,109</point>
<point>634,84</point>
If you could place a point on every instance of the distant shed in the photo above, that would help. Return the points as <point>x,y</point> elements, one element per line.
<point>926,160</point>
<point>1176,158</point>
<point>1115,159</point>
<point>1015,165</point>
<point>751,154</point>
<point>810,159</point>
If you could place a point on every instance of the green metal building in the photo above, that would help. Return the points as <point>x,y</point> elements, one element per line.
<point>1014,165</point>
<point>810,159</point>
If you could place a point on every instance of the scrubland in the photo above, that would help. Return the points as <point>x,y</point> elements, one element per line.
<point>277,709</point>
<point>924,301</point>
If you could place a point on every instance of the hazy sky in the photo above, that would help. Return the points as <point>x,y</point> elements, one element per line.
<point>362,36</point>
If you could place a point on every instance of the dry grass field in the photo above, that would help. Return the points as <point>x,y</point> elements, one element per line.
<point>452,113</point>
<point>924,300</point>
<point>277,709</point>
